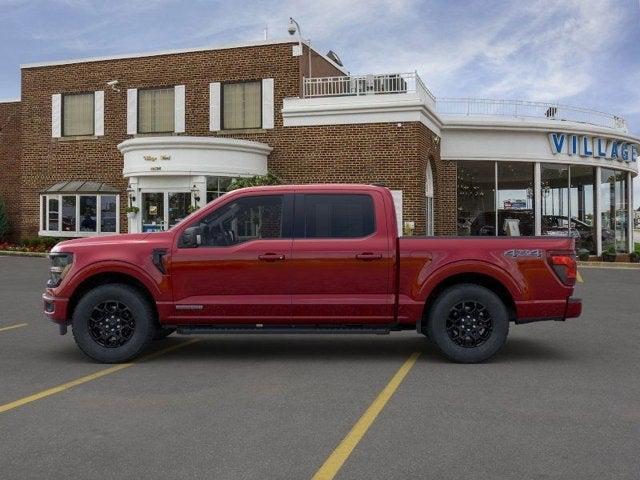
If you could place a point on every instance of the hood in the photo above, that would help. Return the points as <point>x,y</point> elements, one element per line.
<point>123,239</point>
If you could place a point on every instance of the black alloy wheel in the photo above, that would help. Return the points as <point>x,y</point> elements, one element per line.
<point>469,324</point>
<point>111,324</point>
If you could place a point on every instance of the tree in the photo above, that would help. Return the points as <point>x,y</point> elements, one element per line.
<point>255,181</point>
<point>4,221</point>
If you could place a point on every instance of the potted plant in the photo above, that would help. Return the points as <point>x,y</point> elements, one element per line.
<point>583,254</point>
<point>610,254</point>
<point>132,211</point>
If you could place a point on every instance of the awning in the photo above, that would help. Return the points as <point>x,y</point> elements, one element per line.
<point>81,186</point>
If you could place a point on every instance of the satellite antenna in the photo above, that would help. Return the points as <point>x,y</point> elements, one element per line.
<point>334,56</point>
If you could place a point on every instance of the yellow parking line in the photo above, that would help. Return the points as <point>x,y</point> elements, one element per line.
<point>11,327</point>
<point>94,376</point>
<point>334,463</point>
<point>579,278</point>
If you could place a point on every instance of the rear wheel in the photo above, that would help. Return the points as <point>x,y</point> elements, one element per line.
<point>468,323</point>
<point>113,323</point>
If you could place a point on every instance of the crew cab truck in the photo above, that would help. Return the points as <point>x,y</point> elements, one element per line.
<point>305,259</point>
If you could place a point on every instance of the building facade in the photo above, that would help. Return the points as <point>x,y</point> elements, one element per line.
<point>159,134</point>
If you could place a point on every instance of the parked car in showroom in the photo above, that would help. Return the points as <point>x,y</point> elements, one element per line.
<point>305,259</point>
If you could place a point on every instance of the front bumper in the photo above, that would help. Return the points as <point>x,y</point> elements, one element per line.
<point>55,308</point>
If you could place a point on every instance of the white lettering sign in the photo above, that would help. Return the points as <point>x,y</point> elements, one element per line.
<point>597,147</point>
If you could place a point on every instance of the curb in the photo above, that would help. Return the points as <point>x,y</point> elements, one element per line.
<point>610,265</point>
<point>11,253</point>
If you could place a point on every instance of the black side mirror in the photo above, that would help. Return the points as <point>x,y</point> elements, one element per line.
<point>191,237</point>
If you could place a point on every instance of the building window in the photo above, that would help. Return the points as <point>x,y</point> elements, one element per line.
<point>429,200</point>
<point>75,215</point>
<point>476,198</point>
<point>217,186</point>
<point>515,199</point>
<point>555,199</point>
<point>613,205</point>
<point>581,206</point>
<point>241,105</point>
<point>78,114</point>
<point>156,110</point>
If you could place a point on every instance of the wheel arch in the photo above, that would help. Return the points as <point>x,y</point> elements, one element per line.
<point>475,278</point>
<point>110,278</point>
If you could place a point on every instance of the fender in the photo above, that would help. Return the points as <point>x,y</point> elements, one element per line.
<point>151,282</point>
<point>458,267</point>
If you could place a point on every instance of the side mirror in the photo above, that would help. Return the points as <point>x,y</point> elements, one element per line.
<point>191,237</point>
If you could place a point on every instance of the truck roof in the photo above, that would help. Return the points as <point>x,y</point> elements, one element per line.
<point>315,187</point>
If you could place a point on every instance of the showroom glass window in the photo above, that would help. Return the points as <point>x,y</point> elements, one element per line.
<point>73,215</point>
<point>515,199</point>
<point>242,105</point>
<point>78,114</point>
<point>337,216</point>
<point>242,220</point>
<point>156,110</point>
<point>582,206</point>
<point>613,208</point>
<point>217,186</point>
<point>476,198</point>
<point>554,190</point>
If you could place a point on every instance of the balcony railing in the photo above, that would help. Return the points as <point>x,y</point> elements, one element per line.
<point>526,109</point>
<point>356,85</point>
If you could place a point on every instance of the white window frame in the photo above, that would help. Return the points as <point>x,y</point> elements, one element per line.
<point>77,233</point>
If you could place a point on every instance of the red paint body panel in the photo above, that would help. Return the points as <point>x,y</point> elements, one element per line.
<point>378,279</point>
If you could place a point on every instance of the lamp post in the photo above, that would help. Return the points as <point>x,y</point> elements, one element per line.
<point>292,29</point>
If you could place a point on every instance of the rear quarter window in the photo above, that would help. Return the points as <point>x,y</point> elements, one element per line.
<point>337,216</point>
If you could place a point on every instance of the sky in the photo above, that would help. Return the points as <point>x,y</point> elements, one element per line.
<point>577,52</point>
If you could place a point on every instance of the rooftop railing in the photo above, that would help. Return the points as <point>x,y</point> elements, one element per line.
<point>526,109</point>
<point>399,83</point>
<point>356,85</point>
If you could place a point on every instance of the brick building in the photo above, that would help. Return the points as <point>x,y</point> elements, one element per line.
<point>167,131</point>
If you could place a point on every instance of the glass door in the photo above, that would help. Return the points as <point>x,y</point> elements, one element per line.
<point>163,210</point>
<point>153,214</point>
<point>179,203</point>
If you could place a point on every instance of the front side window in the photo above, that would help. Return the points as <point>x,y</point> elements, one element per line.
<point>337,216</point>
<point>78,114</point>
<point>156,110</point>
<point>243,220</point>
<point>242,105</point>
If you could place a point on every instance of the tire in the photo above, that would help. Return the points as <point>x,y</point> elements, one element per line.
<point>468,323</point>
<point>96,329</point>
<point>163,332</point>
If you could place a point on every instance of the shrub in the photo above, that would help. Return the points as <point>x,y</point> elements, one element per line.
<point>583,254</point>
<point>255,181</point>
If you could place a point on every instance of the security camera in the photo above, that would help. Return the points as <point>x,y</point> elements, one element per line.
<point>112,84</point>
<point>292,27</point>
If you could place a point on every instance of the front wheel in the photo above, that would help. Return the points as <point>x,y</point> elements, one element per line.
<point>468,323</point>
<point>113,323</point>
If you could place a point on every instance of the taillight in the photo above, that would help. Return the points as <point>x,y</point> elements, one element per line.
<point>565,267</point>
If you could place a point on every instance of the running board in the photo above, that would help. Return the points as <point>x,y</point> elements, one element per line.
<point>226,329</point>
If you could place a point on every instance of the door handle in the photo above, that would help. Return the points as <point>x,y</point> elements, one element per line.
<point>368,256</point>
<point>270,257</point>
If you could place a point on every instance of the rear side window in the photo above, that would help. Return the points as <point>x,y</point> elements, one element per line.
<point>337,216</point>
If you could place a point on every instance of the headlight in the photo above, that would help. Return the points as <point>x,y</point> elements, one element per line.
<point>60,266</point>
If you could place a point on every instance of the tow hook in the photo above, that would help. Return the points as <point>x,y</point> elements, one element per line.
<point>63,328</point>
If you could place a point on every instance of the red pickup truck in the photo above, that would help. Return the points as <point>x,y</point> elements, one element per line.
<point>305,259</point>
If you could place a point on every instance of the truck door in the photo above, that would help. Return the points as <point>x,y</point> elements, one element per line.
<point>341,259</point>
<point>240,271</point>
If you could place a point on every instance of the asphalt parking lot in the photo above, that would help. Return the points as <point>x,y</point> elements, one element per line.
<point>562,400</point>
